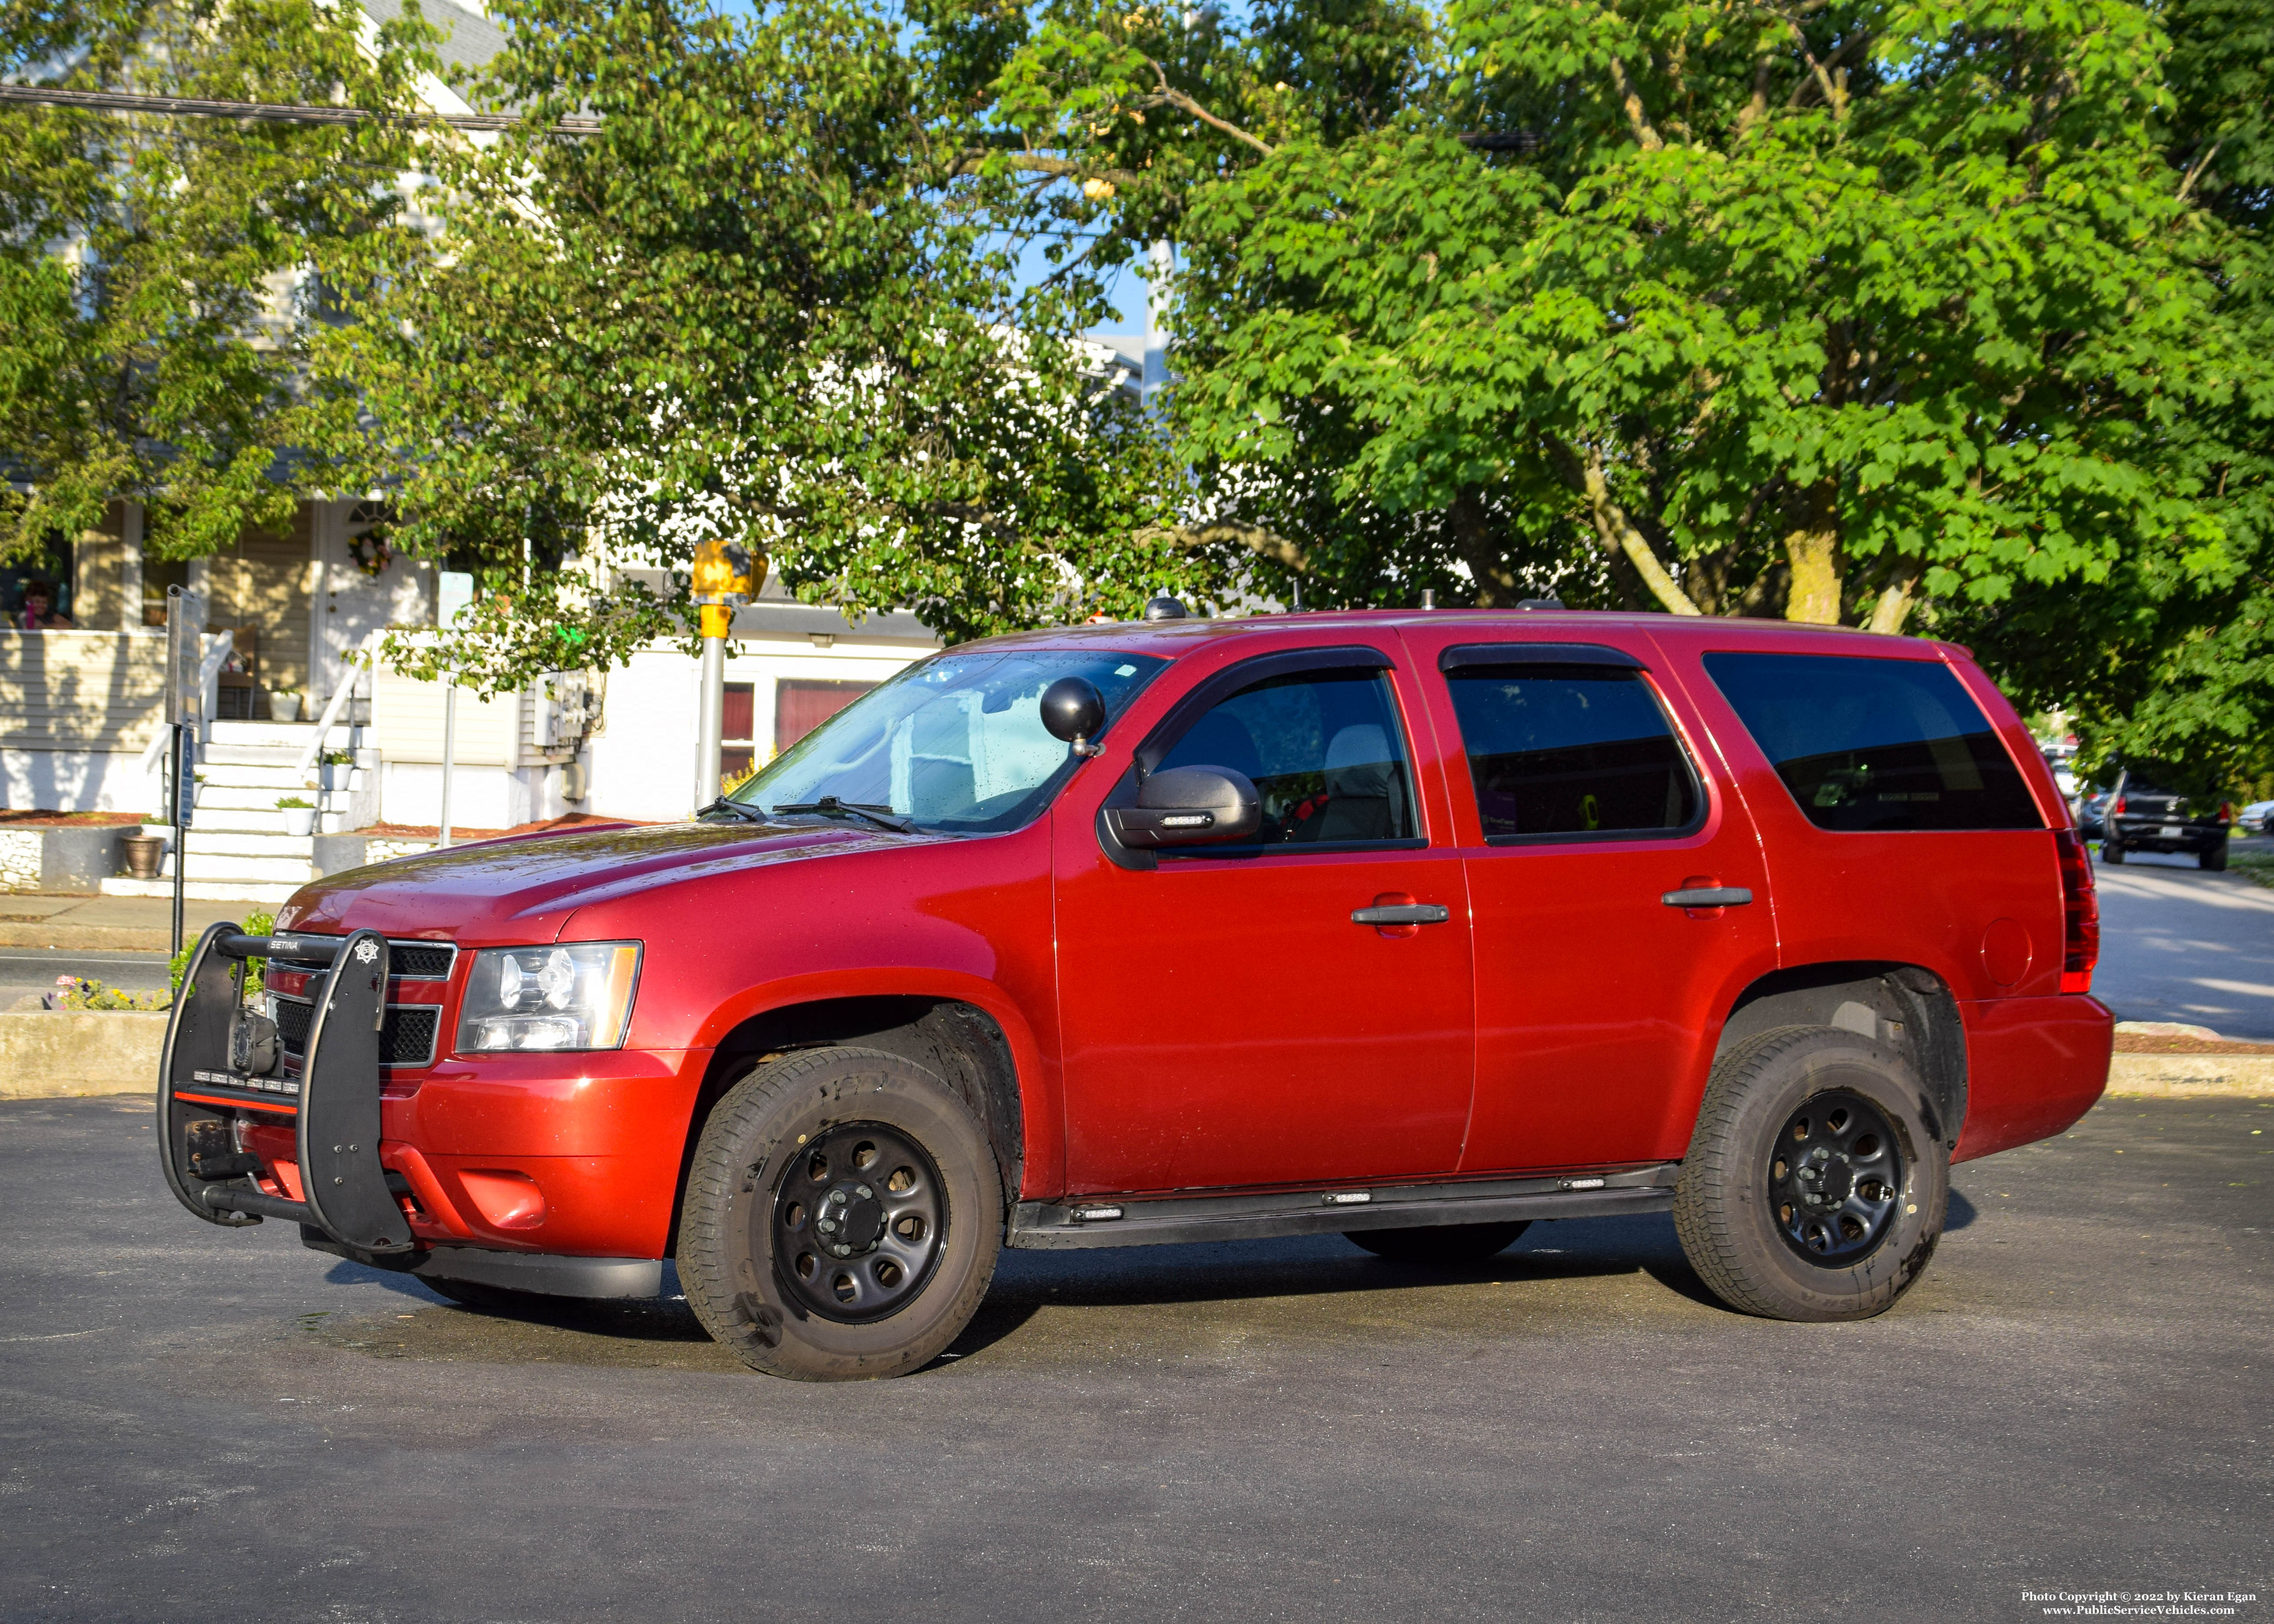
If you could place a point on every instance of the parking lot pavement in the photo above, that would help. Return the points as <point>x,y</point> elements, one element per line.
<point>2178,944</point>
<point>213,1423</point>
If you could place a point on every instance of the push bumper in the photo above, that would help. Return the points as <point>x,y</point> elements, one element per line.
<point>218,1055</point>
<point>220,1063</point>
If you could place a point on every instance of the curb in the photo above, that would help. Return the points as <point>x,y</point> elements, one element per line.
<point>60,1054</point>
<point>56,1054</point>
<point>2191,1077</point>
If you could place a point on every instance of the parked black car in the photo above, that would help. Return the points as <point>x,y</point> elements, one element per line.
<point>2144,816</point>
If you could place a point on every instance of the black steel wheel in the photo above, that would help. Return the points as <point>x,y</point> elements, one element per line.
<point>1445,1245</point>
<point>1817,1176</point>
<point>859,1218</point>
<point>1833,1177</point>
<point>843,1215</point>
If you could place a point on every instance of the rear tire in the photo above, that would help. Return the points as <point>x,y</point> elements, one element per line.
<point>2213,858</point>
<point>1817,1177</point>
<point>2111,852</point>
<point>1448,1245</point>
<point>844,1213</point>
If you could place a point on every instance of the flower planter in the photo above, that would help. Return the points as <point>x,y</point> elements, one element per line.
<point>284,707</point>
<point>144,853</point>
<point>336,774</point>
<point>299,820</point>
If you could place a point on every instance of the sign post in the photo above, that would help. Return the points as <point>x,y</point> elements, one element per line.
<point>725,573</point>
<point>186,625</point>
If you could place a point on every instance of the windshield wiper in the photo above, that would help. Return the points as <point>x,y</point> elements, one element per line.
<point>742,809</point>
<point>829,806</point>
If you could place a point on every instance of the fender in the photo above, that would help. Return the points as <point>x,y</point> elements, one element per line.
<point>1041,1095</point>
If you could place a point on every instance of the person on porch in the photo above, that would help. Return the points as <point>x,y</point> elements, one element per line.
<point>37,614</point>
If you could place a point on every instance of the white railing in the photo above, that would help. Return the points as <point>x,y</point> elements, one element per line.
<point>356,663</point>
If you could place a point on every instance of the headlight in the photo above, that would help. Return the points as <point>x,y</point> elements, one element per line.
<point>575,995</point>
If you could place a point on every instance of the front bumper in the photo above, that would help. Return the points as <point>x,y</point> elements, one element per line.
<point>242,1138</point>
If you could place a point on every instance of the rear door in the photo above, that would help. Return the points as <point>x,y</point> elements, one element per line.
<point>1583,800</point>
<point>1898,824</point>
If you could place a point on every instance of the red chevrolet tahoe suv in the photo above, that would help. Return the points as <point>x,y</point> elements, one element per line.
<point>1418,928</point>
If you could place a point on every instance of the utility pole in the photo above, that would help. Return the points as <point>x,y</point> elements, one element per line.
<point>725,574</point>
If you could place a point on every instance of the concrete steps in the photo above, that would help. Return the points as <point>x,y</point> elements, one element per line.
<point>237,845</point>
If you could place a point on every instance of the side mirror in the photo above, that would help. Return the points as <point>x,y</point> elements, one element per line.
<point>1190,805</point>
<point>1075,710</point>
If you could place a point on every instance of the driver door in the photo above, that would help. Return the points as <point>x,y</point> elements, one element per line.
<point>1224,1021</point>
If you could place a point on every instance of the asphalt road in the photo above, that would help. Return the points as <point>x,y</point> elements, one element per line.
<point>31,969</point>
<point>2178,944</point>
<point>203,1425</point>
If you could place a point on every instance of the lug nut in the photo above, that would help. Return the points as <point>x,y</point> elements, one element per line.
<point>865,1192</point>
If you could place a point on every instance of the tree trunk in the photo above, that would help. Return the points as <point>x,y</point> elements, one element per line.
<point>1474,542</point>
<point>1813,546</point>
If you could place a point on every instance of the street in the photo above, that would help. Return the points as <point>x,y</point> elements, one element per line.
<point>2178,944</point>
<point>198,1421</point>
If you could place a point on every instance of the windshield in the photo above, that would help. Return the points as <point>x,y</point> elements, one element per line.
<point>954,742</point>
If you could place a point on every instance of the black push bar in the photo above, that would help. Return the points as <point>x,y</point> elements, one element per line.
<point>332,1104</point>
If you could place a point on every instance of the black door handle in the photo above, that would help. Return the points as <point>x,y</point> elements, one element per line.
<point>1403,913</point>
<point>1708,897</point>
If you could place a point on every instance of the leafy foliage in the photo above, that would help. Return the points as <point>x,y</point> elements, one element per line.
<point>162,278</point>
<point>1820,309</point>
<point>769,299</point>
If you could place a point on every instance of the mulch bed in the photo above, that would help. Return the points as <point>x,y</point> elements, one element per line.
<point>70,820</point>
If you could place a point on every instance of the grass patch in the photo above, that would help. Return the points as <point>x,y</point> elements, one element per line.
<point>2259,865</point>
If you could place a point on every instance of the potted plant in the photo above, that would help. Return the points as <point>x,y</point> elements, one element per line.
<point>300,815</point>
<point>284,705</point>
<point>338,766</point>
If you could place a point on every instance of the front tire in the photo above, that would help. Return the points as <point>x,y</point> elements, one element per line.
<point>844,1215</point>
<point>1447,1245</point>
<point>1817,1177</point>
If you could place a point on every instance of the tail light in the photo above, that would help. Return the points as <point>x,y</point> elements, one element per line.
<point>2227,811</point>
<point>2119,808</point>
<point>2079,914</point>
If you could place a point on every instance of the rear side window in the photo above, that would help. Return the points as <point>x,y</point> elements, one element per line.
<point>1876,744</point>
<point>1568,751</point>
<point>1325,753</point>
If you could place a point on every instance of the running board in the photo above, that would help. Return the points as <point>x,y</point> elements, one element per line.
<point>1158,1221</point>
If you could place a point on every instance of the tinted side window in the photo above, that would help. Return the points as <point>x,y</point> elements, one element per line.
<point>1570,750</point>
<point>1876,743</point>
<point>1324,750</point>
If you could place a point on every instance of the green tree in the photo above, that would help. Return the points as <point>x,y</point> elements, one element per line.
<point>771,297</point>
<point>1822,309</point>
<point>162,279</point>
<point>2171,663</point>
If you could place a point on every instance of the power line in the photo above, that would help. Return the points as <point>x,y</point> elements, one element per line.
<point>267,112</point>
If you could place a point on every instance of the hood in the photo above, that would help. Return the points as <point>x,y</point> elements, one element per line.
<point>526,888</point>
